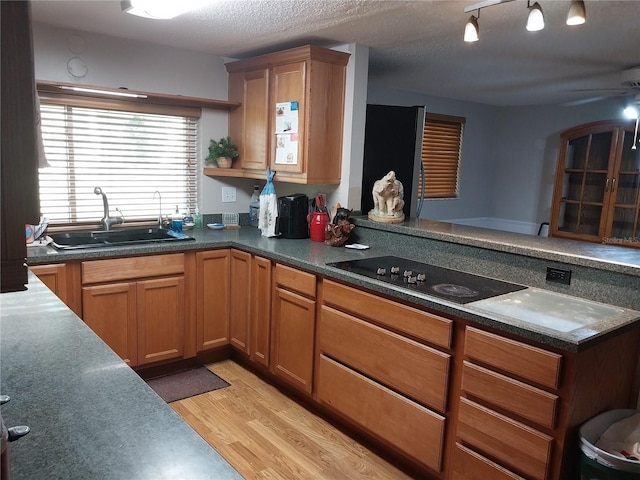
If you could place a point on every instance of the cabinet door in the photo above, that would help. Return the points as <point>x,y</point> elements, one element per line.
<point>160,315</point>
<point>624,208</point>
<point>292,338</point>
<point>254,148</point>
<point>583,181</point>
<point>288,84</point>
<point>260,310</point>
<point>110,311</point>
<point>212,299</point>
<point>54,277</point>
<point>241,291</point>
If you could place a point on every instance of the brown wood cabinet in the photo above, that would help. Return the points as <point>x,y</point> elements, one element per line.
<point>212,299</point>
<point>293,327</point>
<point>377,366</point>
<point>596,196</point>
<point>240,304</point>
<point>260,328</point>
<point>63,279</point>
<point>137,306</point>
<point>519,405</point>
<point>314,78</point>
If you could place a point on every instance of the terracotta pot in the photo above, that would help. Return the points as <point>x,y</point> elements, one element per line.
<point>224,162</point>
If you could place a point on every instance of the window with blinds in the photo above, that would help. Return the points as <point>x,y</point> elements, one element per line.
<point>129,154</point>
<point>441,150</point>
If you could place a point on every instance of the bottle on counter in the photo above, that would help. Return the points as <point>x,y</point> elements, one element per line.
<point>176,221</point>
<point>197,218</point>
<point>254,206</point>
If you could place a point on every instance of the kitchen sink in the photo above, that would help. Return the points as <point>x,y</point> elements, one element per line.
<point>132,236</point>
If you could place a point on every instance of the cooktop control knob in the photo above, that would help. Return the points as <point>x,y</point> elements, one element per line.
<point>407,273</point>
<point>411,280</point>
<point>395,270</point>
<point>381,271</point>
<point>421,277</point>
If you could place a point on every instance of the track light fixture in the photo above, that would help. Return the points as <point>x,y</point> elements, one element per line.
<point>535,21</point>
<point>577,13</point>
<point>471,30</point>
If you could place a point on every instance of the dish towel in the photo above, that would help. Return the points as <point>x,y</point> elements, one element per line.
<point>268,208</point>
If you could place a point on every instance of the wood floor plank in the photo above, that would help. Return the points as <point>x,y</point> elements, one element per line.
<point>266,435</point>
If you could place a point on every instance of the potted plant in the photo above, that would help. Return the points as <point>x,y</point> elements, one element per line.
<point>223,151</point>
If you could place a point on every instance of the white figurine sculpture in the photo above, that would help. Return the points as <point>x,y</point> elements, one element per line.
<point>388,199</point>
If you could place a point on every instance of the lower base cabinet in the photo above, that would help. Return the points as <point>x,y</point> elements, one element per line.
<point>468,465</point>
<point>141,319</point>
<point>63,279</point>
<point>260,321</point>
<point>394,419</point>
<point>293,327</point>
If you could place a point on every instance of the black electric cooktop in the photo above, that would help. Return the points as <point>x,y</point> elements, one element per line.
<point>457,287</point>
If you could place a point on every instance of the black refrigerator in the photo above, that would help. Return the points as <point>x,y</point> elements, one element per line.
<point>393,141</point>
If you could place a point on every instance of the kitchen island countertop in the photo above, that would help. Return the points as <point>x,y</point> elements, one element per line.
<point>90,415</point>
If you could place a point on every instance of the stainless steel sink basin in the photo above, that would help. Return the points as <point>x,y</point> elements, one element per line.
<point>133,236</point>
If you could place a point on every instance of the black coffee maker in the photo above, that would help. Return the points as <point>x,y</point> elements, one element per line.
<point>292,216</point>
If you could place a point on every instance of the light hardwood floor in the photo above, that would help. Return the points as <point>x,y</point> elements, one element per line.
<point>266,435</point>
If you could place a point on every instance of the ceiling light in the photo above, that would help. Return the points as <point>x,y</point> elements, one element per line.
<point>160,9</point>
<point>577,14</point>
<point>535,21</point>
<point>631,112</point>
<point>471,30</point>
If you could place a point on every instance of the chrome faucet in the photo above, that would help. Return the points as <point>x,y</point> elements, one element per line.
<point>160,211</point>
<point>106,221</point>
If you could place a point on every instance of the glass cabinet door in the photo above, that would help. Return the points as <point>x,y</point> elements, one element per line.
<point>585,182</point>
<point>625,190</point>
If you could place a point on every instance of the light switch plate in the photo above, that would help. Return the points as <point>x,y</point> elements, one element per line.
<point>228,194</point>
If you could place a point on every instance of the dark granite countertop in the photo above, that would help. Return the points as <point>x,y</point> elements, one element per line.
<point>615,258</point>
<point>90,415</point>
<point>313,256</point>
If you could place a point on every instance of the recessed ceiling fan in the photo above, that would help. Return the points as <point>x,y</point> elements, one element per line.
<point>629,85</point>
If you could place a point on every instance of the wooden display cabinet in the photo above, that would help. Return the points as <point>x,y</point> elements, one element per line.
<point>596,195</point>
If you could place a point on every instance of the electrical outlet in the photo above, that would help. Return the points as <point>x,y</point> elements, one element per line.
<point>228,194</point>
<point>558,275</point>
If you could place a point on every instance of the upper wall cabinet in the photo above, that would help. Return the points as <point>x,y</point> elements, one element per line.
<point>291,118</point>
<point>597,185</point>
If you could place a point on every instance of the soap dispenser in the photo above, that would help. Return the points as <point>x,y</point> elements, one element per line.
<point>176,221</point>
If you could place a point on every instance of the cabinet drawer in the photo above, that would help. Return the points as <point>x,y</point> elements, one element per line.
<point>397,421</point>
<point>517,397</point>
<point>132,267</point>
<point>518,446</point>
<point>402,318</point>
<point>468,465</point>
<point>296,280</point>
<point>520,359</point>
<point>404,365</point>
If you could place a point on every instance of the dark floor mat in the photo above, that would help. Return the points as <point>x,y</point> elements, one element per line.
<point>185,384</point>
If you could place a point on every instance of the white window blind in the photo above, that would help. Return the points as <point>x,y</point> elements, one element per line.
<point>129,154</point>
<point>441,150</point>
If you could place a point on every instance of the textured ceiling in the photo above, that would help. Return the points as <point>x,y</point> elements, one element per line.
<point>415,45</point>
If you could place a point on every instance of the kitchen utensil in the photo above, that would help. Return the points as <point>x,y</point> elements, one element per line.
<point>215,226</point>
<point>317,223</point>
